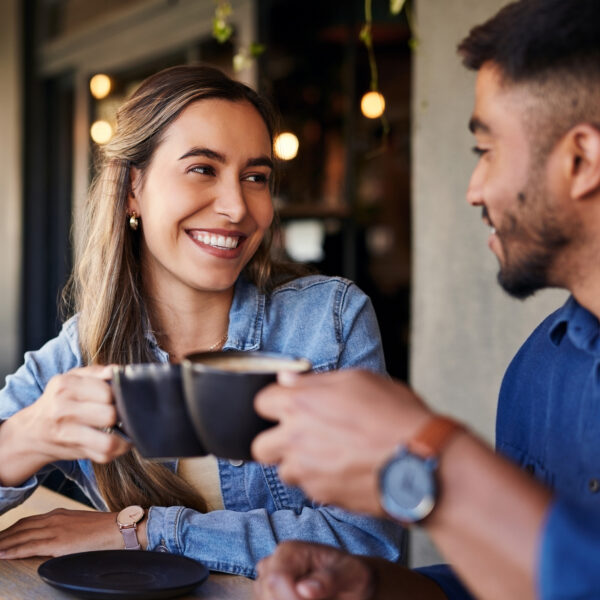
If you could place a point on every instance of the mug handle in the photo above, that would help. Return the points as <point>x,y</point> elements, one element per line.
<point>118,427</point>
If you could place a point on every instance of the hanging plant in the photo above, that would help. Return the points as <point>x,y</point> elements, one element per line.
<point>223,31</point>
<point>366,37</point>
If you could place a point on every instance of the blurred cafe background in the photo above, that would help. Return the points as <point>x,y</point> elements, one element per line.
<point>377,200</point>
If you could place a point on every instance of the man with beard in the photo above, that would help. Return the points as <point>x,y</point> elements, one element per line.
<point>371,445</point>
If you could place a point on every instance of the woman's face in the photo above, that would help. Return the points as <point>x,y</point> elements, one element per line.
<point>204,201</point>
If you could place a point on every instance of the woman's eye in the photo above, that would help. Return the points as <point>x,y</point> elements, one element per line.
<point>479,151</point>
<point>202,170</point>
<point>257,178</point>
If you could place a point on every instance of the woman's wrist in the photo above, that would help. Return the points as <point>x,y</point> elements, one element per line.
<point>18,462</point>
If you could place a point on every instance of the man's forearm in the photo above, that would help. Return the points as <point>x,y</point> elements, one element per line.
<point>488,520</point>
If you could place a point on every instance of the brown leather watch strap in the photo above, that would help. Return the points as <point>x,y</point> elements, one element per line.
<point>433,436</point>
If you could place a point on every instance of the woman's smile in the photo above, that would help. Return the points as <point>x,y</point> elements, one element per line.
<point>204,201</point>
<point>218,242</point>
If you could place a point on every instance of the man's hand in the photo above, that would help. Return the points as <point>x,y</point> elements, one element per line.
<point>303,571</point>
<point>335,431</point>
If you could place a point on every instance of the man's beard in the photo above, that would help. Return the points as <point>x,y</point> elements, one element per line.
<point>531,249</point>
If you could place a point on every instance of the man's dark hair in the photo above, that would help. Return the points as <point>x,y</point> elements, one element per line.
<point>551,48</point>
<point>528,37</point>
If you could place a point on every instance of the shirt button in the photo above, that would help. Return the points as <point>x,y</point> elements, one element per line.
<point>594,485</point>
<point>236,463</point>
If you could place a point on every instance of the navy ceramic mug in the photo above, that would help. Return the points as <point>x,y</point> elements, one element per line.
<point>152,410</point>
<point>219,390</point>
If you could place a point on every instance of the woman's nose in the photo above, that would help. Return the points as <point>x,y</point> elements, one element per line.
<point>231,203</point>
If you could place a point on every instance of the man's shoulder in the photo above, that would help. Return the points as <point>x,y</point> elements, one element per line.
<point>539,349</point>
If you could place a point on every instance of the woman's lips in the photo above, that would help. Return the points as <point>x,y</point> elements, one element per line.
<point>216,240</point>
<point>218,243</point>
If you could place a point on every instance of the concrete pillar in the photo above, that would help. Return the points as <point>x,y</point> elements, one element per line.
<point>465,329</point>
<point>10,181</point>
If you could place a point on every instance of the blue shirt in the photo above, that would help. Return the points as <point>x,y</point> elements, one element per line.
<point>327,320</point>
<point>548,422</point>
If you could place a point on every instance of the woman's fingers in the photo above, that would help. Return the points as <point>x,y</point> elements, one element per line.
<point>90,413</point>
<point>99,371</point>
<point>87,442</point>
<point>58,532</point>
<point>72,411</point>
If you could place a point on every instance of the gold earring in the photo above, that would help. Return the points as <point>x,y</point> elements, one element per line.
<point>134,221</point>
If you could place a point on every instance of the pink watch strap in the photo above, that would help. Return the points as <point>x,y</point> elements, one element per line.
<point>130,538</point>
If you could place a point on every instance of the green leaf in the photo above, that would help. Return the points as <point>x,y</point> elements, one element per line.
<point>223,9</point>
<point>413,43</point>
<point>221,30</point>
<point>365,35</point>
<point>257,49</point>
<point>396,6</point>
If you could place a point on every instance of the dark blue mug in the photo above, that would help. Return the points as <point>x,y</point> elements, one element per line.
<point>152,411</point>
<point>219,390</point>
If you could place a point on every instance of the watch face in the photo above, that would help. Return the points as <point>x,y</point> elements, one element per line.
<point>408,487</point>
<point>130,515</point>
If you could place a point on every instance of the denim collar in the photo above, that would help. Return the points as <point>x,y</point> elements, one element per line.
<point>581,326</point>
<point>246,318</point>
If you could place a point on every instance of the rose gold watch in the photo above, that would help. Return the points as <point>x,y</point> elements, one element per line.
<point>127,521</point>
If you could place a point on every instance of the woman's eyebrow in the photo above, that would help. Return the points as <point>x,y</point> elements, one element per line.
<point>259,161</point>
<point>206,152</point>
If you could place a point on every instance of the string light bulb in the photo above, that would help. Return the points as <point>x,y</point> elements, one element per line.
<point>286,146</point>
<point>100,86</point>
<point>101,132</point>
<point>372,105</point>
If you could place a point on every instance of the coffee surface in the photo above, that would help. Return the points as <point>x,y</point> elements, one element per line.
<point>253,364</point>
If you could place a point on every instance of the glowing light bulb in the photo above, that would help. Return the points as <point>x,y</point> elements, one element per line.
<point>286,146</point>
<point>100,86</point>
<point>101,132</point>
<point>372,105</point>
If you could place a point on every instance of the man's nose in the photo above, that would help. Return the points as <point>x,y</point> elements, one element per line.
<point>230,202</point>
<point>475,189</point>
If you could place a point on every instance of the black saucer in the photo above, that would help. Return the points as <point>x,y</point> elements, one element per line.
<point>131,574</point>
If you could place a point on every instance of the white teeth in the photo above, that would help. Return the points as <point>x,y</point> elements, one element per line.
<point>492,230</point>
<point>216,241</point>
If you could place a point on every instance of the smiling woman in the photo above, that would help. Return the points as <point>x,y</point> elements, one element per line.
<point>176,258</point>
<point>202,242</point>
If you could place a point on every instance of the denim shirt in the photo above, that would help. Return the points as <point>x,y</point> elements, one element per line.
<point>548,424</point>
<point>325,319</point>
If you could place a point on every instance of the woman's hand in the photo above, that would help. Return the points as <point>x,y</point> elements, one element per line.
<point>63,531</point>
<point>64,423</point>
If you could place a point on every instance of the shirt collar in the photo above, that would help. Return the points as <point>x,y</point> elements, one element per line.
<point>245,321</point>
<point>581,326</point>
<point>246,317</point>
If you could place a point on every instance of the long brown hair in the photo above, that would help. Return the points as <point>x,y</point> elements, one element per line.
<point>106,288</point>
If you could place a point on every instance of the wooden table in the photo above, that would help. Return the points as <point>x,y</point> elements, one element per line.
<point>19,579</point>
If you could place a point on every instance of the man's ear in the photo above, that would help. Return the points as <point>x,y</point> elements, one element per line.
<point>134,181</point>
<point>583,145</point>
